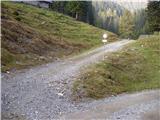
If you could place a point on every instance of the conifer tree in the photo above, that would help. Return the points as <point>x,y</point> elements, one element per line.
<point>126,25</point>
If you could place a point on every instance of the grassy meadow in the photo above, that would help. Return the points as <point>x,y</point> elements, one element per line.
<point>135,68</point>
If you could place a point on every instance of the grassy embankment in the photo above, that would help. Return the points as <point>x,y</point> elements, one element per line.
<point>32,36</point>
<point>135,68</point>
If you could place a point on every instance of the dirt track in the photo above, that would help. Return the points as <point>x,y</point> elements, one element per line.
<point>36,93</point>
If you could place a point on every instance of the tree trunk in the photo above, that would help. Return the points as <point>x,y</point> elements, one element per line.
<point>76,16</point>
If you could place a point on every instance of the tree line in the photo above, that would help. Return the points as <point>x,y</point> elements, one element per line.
<point>126,24</point>
<point>145,21</point>
<point>80,10</point>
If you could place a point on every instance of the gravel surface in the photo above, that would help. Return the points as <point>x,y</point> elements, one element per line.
<point>43,92</point>
<point>134,112</point>
<point>143,105</point>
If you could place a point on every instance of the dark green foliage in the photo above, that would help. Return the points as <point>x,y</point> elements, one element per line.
<point>77,8</point>
<point>81,10</point>
<point>59,6</point>
<point>90,13</point>
<point>153,15</point>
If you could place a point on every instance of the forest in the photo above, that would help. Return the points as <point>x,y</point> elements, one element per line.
<point>112,16</point>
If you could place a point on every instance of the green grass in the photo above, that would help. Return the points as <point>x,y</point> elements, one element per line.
<point>29,33</point>
<point>135,68</point>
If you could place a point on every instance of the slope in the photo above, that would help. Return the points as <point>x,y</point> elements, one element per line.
<point>134,68</point>
<point>32,36</point>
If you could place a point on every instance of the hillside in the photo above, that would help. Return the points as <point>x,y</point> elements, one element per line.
<point>32,36</point>
<point>134,68</point>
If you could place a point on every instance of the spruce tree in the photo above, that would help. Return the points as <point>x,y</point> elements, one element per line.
<point>126,25</point>
<point>153,15</point>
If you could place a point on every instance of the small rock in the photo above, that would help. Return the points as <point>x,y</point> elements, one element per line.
<point>60,94</point>
<point>58,88</point>
<point>65,82</point>
<point>36,112</point>
<point>56,58</point>
<point>118,118</point>
<point>42,58</point>
<point>50,85</point>
<point>127,113</point>
<point>7,72</point>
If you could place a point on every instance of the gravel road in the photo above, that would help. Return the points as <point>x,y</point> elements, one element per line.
<point>144,105</point>
<point>43,92</point>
